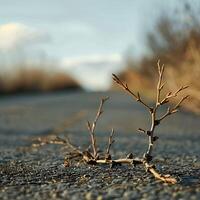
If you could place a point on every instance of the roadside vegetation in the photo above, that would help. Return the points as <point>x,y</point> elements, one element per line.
<point>178,46</point>
<point>34,80</point>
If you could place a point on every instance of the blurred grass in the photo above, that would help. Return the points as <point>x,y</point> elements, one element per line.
<point>179,49</point>
<point>33,80</point>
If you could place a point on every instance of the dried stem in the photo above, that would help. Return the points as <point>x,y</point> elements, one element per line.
<point>160,85</point>
<point>92,127</point>
<point>126,88</point>
<point>94,158</point>
<point>121,161</point>
<point>154,120</point>
<point>172,95</point>
<point>141,130</point>
<point>164,178</point>
<point>171,111</point>
<point>110,142</point>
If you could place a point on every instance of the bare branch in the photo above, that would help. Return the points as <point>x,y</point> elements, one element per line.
<point>174,109</point>
<point>141,130</point>
<point>160,85</point>
<point>110,142</point>
<point>168,112</point>
<point>89,126</point>
<point>122,161</point>
<point>180,102</point>
<point>172,95</point>
<point>95,157</point>
<point>92,127</point>
<point>126,88</point>
<point>164,178</point>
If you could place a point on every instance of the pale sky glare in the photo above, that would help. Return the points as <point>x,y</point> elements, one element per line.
<point>68,29</point>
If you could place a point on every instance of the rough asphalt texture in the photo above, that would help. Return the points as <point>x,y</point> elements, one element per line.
<point>28,173</point>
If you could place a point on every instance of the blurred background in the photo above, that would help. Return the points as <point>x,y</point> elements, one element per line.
<point>76,45</point>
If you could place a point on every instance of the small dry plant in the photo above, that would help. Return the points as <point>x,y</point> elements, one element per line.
<point>93,156</point>
<point>155,121</point>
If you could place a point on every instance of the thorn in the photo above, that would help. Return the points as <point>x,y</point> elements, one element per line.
<point>114,164</point>
<point>108,157</point>
<point>151,110</point>
<point>149,133</point>
<point>155,138</point>
<point>130,156</point>
<point>157,122</point>
<point>147,157</point>
<point>141,130</point>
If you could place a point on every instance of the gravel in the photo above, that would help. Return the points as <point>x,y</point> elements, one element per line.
<point>29,173</point>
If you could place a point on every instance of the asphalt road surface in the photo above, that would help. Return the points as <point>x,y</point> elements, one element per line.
<point>38,173</point>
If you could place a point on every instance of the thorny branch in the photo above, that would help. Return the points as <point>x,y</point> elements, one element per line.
<point>95,158</point>
<point>165,178</point>
<point>92,127</point>
<point>174,109</point>
<point>126,88</point>
<point>154,120</point>
<point>110,142</point>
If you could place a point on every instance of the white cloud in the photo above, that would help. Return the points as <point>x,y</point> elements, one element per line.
<point>91,60</point>
<point>17,35</point>
<point>79,28</point>
<point>94,71</point>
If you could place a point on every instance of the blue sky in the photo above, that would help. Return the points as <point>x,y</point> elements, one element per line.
<point>71,30</point>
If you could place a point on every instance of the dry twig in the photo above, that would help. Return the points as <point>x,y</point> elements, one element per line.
<point>155,121</point>
<point>95,158</point>
<point>137,96</point>
<point>110,142</point>
<point>92,127</point>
